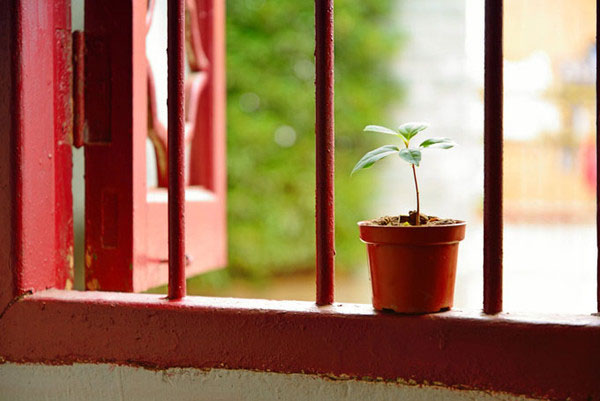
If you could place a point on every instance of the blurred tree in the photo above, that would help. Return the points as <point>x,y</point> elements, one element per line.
<point>270,117</point>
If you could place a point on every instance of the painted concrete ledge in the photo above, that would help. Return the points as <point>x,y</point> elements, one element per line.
<point>105,382</point>
<point>555,357</point>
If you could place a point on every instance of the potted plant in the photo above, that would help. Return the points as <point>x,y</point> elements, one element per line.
<point>412,258</point>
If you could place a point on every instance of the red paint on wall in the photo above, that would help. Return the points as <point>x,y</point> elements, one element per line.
<point>556,358</point>
<point>35,163</point>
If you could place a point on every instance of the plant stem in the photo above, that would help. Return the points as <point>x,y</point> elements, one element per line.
<point>418,217</point>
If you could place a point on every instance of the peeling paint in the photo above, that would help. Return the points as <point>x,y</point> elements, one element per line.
<point>14,301</point>
<point>69,258</point>
<point>88,257</point>
<point>92,285</point>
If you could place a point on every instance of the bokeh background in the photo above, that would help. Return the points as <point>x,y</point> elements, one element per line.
<point>270,125</point>
<point>399,61</point>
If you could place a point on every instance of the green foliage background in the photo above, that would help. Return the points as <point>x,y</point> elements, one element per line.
<point>270,84</point>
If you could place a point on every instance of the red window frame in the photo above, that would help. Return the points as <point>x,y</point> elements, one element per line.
<point>126,237</point>
<point>538,355</point>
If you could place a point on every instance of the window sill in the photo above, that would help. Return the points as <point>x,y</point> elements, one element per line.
<point>534,355</point>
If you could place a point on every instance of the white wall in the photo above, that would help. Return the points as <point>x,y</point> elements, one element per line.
<point>441,67</point>
<point>87,382</point>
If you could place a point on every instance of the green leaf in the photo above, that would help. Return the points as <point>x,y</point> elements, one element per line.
<point>384,130</point>
<point>379,128</point>
<point>409,130</point>
<point>442,143</point>
<point>413,156</point>
<point>370,158</point>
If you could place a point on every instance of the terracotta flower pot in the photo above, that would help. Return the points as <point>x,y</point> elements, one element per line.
<point>413,268</point>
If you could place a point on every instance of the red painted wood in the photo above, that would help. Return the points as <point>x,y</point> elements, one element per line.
<point>63,138</point>
<point>195,84</point>
<point>78,87</point>
<point>9,53</point>
<point>196,56</point>
<point>132,253</point>
<point>35,156</point>
<point>115,101</point>
<point>550,357</point>
<point>492,204</point>
<point>176,147</point>
<point>324,127</point>
<point>150,14</point>
<point>207,166</point>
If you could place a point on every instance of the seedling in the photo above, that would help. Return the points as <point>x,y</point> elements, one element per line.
<point>411,155</point>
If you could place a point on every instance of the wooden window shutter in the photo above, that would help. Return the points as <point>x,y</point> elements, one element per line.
<point>125,221</point>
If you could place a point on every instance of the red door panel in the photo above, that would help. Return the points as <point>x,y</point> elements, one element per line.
<point>126,222</point>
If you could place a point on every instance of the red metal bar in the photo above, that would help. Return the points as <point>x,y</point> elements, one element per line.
<point>597,156</point>
<point>176,147</point>
<point>492,206</point>
<point>78,87</point>
<point>324,131</point>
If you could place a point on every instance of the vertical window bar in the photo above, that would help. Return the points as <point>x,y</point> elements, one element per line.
<point>492,206</point>
<point>325,219</point>
<point>597,157</point>
<point>176,147</point>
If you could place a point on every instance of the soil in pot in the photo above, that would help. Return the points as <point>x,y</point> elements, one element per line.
<point>411,219</point>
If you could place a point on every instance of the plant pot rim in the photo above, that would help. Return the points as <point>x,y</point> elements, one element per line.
<point>413,235</point>
<point>367,223</point>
